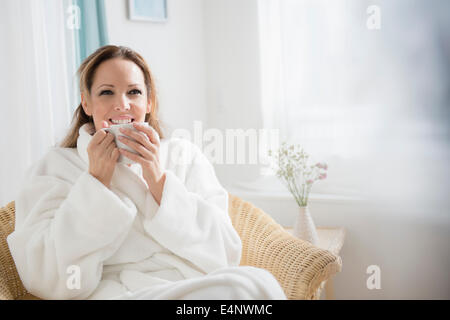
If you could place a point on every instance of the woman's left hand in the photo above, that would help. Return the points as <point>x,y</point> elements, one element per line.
<point>147,157</point>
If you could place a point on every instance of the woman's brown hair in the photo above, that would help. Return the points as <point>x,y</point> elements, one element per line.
<point>86,73</point>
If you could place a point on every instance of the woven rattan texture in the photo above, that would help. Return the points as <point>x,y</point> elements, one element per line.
<point>299,267</point>
<point>11,286</point>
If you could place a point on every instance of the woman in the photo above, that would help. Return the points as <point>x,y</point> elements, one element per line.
<point>88,227</point>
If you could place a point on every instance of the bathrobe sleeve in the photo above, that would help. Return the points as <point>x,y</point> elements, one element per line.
<point>192,220</point>
<point>65,230</point>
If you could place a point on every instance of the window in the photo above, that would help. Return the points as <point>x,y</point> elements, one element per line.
<point>351,95</point>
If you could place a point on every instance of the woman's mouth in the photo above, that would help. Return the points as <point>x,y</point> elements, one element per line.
<point>121,121</point>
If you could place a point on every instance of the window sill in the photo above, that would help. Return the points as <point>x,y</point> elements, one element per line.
<point>269,188</point>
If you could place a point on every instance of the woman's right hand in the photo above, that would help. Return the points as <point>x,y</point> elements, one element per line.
<point>103,155</point>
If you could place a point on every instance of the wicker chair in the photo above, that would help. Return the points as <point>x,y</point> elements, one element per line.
<point>299,267</point>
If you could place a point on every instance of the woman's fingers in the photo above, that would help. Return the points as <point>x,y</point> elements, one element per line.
<point>149,132</point>
<point>107,141</point>
<point>131,156</point>
<point>98,137</point>
<point>115,155</point>
<point>103,154</point>
<point>110,148</point>
<point>143,140</point>
<point>147,154</point>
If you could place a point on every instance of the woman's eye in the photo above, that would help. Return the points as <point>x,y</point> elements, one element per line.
<point>135,91</point>
<point>106,92</point>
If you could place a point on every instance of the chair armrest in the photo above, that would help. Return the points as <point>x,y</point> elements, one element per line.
<point>299,266</point>
<point>11,286</point>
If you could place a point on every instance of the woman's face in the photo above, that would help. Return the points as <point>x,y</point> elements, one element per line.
<point>118,93</point>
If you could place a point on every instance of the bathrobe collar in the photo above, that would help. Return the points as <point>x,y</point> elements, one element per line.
<point>85,135</point>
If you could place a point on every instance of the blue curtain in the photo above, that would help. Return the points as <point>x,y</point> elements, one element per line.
<point>90,35</point>
<point>93,32</point>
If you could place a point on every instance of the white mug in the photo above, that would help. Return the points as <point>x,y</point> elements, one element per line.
<point>115,130</point>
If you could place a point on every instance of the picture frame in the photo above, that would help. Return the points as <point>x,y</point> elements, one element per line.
<point>147,10</point>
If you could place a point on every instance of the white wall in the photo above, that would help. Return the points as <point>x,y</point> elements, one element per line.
<point>175,53</point>
<point>233,73</point>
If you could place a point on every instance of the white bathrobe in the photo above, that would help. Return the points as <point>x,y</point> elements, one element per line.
<point>76,239</point>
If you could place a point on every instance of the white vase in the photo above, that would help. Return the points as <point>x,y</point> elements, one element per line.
<point>304,227</point>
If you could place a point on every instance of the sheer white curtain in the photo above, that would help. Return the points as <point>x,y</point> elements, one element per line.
<point>310,82</point>
<point>37,85</point>
<point>351,96</point>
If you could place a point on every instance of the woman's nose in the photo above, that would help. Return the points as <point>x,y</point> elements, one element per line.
<point>122,103</point>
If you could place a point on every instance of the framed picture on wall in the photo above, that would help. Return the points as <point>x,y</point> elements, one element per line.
<point>147,10</point>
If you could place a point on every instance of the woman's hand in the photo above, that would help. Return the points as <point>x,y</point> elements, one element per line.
<point>103,154</point>
<point>147,157</point>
